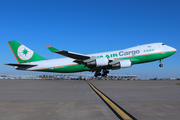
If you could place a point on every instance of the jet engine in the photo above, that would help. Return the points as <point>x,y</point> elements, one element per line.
<point>122,64</point>
<point>116,64</point>
<point>99,62</point>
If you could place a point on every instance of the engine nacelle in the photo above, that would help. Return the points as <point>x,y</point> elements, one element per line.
<point>116,64</point>
<point>98,62</point>
<point>122,64</point>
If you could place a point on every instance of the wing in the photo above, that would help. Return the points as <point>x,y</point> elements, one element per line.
<point>69,54</point>
<point>79,58</point>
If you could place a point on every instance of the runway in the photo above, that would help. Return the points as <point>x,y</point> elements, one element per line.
<point>76,100</point>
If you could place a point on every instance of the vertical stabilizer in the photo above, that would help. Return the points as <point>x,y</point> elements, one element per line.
<point>22,53</point>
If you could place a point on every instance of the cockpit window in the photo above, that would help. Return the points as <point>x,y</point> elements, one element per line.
<point>163,44</point>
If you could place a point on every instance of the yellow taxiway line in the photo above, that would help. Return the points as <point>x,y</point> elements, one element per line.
<point>120,112</point>
<point>177,83</point>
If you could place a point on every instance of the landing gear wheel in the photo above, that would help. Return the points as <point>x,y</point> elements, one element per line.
<point>98,73</point>
<point>105,72</point>
<point>104,75</point>
<point>160,65</point>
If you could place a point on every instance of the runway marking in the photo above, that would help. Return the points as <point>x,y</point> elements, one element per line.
<point>177,83</point>
<point>120,113</point>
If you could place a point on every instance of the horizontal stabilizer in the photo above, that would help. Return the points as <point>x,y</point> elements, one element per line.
<point>68,54</point>
<point>21,66</point>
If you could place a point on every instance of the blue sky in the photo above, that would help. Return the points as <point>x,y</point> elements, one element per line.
<point>91,26</point>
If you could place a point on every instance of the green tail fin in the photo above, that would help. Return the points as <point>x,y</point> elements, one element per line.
<point>23,54</point>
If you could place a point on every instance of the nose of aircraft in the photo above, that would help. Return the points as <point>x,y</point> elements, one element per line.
<point>172,49</point>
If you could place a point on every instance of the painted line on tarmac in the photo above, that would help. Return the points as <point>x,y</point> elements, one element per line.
<point>119,112</point>
<point>177,83</point>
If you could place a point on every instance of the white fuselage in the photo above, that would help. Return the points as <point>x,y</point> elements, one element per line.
<point>118,54</point>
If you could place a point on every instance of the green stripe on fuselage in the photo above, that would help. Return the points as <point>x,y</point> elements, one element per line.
<point>67,69</point>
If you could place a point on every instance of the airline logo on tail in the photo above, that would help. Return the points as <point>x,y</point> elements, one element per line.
<point>24,53</point>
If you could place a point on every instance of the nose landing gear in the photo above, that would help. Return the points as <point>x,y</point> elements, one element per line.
<point>160,65</point>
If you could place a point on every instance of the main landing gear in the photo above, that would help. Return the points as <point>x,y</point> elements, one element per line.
<point>104,73</point>
<point>160,65</point>
<point>98,73</point>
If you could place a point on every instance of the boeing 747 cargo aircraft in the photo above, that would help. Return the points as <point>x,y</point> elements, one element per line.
<point>100,63</point>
